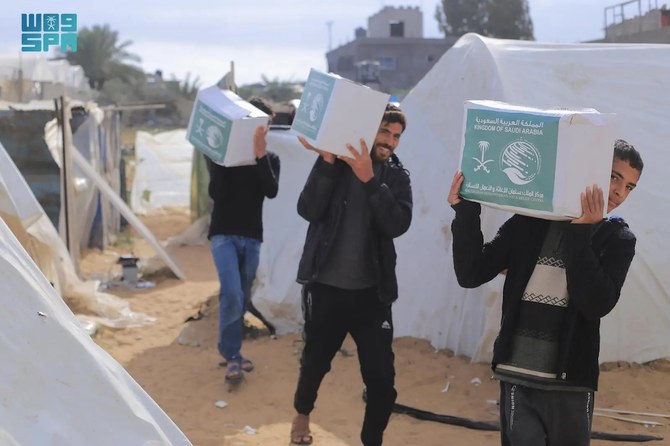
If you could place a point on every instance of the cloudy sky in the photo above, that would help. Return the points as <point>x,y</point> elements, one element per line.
<point>278,40</point>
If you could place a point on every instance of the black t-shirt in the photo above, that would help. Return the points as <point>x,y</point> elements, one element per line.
<point>238,194</point>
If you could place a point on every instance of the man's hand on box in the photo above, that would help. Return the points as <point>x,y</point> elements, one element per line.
<point>360,162</point>
<point>260,145</point>
<point>327,156</point>
<point>593,205</point>
<point>453,197</point>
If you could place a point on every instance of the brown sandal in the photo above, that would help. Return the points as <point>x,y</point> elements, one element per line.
<point>300,433</point>
<point>245,364</point>
<point>234,372</point>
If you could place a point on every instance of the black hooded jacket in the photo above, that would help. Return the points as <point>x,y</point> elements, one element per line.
<point>597,261</point>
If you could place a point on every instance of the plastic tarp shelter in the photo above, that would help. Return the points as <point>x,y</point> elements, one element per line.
<point>35,145</point>
<point>162,179</point>
<point>39,68</point>
<point>96,138</point>
<point>42,78</point>
<point>57,386</point>
<point>630,80</point>
<point>30,225</point>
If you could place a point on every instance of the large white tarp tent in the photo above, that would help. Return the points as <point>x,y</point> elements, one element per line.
<point>58,387</point>
<point>162,179</point>
<point>630,80</point>
<point>41,78</point>
<point>30,225</point>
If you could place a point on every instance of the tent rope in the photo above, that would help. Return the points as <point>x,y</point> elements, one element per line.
<point>495,426</point>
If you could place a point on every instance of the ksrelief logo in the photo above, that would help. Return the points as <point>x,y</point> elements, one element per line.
<point>316,107</point>
<point>521,162</point>
<point>214,137</point>
<point>211,133</point>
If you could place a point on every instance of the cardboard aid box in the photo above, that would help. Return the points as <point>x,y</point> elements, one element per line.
<point>222,126</point>
<point>335,111</point>
<point>532,161</point>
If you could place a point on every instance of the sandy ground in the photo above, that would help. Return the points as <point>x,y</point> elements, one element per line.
<point>176,362</point>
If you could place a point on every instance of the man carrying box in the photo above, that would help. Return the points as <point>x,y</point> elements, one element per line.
<point>355,206</point>
<point>236,234</point>
<point>561,278</point>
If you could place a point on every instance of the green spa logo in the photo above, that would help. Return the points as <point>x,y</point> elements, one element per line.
<point>39,32</point>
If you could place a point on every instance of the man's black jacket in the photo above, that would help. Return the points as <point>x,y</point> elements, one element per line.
<point>322,202</point>
<point>597,261</point>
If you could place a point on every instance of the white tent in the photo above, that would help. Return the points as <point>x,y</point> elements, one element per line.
<point>57,386</point>
<point>162,178</point>
<point>276,293</point>
<point>42,78</point>
<point>27,220</point>
<point>630,80</point>
<point>38,68</point>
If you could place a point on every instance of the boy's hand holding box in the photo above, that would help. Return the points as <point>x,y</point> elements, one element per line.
<point>335,111</point>
<point>222,126</point>
<point>534,162</point>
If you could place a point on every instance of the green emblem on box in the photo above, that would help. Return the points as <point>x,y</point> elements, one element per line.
<point>210,132</point>
<point>509,158</point>
<point>313,105</point>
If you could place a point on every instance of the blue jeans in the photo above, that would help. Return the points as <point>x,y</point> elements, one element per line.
<point>236,261</point>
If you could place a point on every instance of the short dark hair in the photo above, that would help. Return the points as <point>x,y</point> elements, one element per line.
<point>261,104</point>
<point>625,151</point>
<point>393,114</point>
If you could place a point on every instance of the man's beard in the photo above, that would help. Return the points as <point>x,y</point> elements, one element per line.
<point>377,148</point>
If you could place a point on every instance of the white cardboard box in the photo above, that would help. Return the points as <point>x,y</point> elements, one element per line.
<point>335,111</point>
<point>534,161</point>
<point>222,126</point>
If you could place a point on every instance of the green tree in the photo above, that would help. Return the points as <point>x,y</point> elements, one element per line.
<point>102,56</point>
<point>273,89</point>
<point>505,19</point>
<point>458,17</point>
<point>188,88</point>
<point>510,19</point>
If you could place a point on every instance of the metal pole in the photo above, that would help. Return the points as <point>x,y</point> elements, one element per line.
<point>72,232</point>
<point>60,112</point>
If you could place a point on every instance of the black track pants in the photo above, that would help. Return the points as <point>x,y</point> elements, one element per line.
<point>533,417</point>
<point>330,313</point>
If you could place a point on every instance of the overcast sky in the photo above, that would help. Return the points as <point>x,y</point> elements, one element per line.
<point>278,39</point>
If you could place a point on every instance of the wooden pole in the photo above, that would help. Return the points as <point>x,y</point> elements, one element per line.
<point>69,232</point>
<point>631,412</point>
<point>232,78</point>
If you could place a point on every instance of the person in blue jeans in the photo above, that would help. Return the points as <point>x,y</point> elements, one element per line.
<point>236,234</point>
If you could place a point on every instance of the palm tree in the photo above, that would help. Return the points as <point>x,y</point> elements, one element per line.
<point>187,88</point>
<point>279,91</point>
<point>102,56</point>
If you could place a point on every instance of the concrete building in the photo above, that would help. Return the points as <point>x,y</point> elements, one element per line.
<point>631,22</point>
<point>391,55</point>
